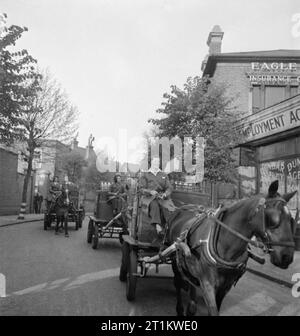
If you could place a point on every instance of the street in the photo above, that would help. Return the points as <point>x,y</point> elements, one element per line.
<point>53,275</point>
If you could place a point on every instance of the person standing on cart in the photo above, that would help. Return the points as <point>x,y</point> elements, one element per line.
<point>117,190</point>
<point>156,190</point>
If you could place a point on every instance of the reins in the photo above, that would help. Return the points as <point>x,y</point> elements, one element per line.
<point>208,247</point>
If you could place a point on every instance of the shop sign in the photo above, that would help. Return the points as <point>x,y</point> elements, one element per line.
<point>256,129</point>
<point>275,73</point>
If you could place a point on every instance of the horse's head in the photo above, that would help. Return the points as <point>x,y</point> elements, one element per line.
<point>276,228</point>
<point>63,199</point>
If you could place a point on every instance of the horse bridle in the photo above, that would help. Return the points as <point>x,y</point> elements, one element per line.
<point>266,237</point>
<point>212,256</point>
<point>266,245</point>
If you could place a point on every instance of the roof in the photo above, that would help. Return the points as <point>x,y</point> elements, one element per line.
<point>266,53</point>
<point>286,55</point>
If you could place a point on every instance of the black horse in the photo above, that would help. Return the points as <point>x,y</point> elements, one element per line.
<point>213,251</point>
<point>61,208</point>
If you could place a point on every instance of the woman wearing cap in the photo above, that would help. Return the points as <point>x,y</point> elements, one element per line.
<point>117,190</point>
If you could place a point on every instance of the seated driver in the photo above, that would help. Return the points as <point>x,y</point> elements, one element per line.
<point>117,190</point>
<point>54,191</point>
<point>156,188</point>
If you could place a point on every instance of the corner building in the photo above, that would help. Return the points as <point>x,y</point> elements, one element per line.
<point>265,86</point>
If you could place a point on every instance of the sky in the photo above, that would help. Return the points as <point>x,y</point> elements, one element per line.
<point>116,58</point>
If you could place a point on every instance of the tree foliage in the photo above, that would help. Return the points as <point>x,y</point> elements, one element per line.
<point>72,164</point>
<point>49,115</point>
<point>202,109</point>
<point>18,82</point>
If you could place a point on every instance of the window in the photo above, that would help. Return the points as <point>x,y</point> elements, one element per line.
<point>256,103</point>
<point>294,91</point>
<point>270,95</point>
<point>274,94</point>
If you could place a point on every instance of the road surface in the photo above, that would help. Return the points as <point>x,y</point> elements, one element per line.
<point>53,275</point>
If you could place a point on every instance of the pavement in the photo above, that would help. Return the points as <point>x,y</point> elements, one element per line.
<point>13,219</point>
<point>267,271</point>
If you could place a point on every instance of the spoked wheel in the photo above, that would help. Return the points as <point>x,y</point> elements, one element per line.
<point>131,275</point>
<point>90,231</point>
<point>95,238</point>
<point>80,220</point>
<point>124,262</point>
<point>76,222</point>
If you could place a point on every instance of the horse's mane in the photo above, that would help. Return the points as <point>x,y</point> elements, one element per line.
<point>250,203</point>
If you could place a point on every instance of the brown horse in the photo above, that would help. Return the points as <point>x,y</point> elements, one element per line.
<point>214,252</point>
<point>61,208</point>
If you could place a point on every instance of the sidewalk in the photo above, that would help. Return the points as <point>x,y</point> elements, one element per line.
<point>273,273</point>
<point>12,219</point>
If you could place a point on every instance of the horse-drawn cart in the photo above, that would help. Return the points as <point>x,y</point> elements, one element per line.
<point>139,253</point>
<point>76,211</point>
<point>104,224</point>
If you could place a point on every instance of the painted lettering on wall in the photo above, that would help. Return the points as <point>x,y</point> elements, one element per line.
<point>275,66</point>
<point>276,124</point>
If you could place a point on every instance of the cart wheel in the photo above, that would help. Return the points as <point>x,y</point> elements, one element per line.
<point>131,276</point>
<point>124,262</point>
<point>45,222</point>
<point>90,231</point>
<point>95,238</point>
<point>80,221</point>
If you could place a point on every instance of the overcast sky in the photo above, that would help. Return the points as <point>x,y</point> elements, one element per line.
<point>116,58</point>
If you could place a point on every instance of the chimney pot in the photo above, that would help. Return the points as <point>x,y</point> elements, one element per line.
<point>214,40</point>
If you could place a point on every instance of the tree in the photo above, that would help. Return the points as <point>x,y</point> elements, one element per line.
<point>72,164</point>
<point>203,109</point>
<point>17,72</point>
<point>48,115</point>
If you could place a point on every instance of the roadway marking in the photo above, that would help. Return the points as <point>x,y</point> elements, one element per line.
<point>2,286</point>
<point>89,277</point>
<point>80,280</point>
<point>57,283</point>
<point>33,289</point>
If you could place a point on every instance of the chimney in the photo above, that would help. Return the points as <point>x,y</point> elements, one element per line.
<point>74,144</point>
<point>203,65</point>
<point>214,40</point>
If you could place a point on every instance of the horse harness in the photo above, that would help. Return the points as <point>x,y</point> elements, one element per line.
<point>208,245</point>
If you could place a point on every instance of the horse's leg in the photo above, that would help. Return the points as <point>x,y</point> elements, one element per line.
<point>177,284</point>
<point>66,224</point>
<point>192,306</point>
<point>57,223</point>
<point>225,284</point>
<point>209,296</point>
<point>219,297</point>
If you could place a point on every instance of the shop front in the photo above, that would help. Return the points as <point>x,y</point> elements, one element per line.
<point>272,136</point>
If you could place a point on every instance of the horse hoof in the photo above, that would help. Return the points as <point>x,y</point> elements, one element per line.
<point>191,309</point>
<point>66,235</point>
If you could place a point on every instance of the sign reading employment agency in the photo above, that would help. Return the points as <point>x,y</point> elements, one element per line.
<point>272,120</point>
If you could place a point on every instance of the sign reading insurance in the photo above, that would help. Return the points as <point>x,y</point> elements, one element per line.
<point>274,73</point>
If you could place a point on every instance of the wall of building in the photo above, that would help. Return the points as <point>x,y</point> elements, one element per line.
<point>233,76</point>
<point>11,184</point>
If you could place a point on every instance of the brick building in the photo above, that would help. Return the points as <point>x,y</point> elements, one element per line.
<point>11,182</point>
<point>265,87</point>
